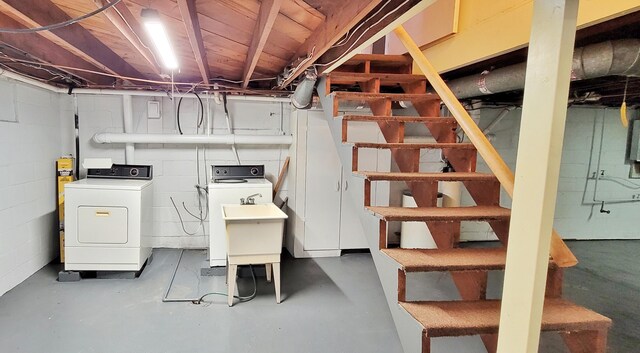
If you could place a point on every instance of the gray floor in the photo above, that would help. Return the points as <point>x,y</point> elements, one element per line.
<point>329,305</point>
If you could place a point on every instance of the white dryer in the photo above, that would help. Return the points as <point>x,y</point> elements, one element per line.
<point>109,219</point>
<point>229,185</point>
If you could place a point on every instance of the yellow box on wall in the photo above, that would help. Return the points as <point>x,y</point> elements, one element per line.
<point>64,175</point>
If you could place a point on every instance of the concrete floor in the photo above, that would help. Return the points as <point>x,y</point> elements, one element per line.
<point>329,305</point>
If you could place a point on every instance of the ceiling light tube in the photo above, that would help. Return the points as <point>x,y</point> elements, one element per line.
<point>158,35</point>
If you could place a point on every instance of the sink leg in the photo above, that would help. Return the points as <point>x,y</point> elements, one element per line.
<point>267,268</point>
<point>276,280</point>
<point>231,283</point>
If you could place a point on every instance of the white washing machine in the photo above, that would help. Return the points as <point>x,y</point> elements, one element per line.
<point>230,184</point>
<point>109,219</point>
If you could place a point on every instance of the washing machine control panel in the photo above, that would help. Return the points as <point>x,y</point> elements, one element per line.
<point>122,171</point>
<point>225,172</point>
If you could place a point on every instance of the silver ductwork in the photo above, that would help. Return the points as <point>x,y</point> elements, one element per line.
<point>611,58</point>
<point>303,95</point>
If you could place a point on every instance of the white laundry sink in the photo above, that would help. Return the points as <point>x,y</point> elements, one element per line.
<point>254,233</point>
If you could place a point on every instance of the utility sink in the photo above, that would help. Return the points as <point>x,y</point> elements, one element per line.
<point>254,237</point>
<point>253,230</point>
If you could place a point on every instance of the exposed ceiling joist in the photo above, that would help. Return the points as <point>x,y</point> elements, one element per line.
<point>124,21</point>
<point>343,17</point>
<point>74,38</point>
<point>266,17</point>
<point>192,24</point>
<point>45,51</point>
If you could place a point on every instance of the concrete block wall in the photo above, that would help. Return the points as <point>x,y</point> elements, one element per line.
<point>575,218</point>
<point>175,166</point>
<point>29,146</point>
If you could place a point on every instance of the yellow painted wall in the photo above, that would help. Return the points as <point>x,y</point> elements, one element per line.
<point>487,28</point>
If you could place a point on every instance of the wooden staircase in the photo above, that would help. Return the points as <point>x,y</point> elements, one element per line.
<point>379,81</point>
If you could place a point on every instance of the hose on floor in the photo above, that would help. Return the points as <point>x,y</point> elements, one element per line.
<point>166,299</point>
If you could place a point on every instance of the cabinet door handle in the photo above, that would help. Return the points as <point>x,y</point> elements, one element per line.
<point>346,185</point>
<point>338,186</point>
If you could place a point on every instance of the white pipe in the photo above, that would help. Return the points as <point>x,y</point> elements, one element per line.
<point>30,81</point>
<point>120,92</point>
<point>108,137</point>
<point>127,113</point>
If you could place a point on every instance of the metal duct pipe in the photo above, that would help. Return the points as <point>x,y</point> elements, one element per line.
<point>610,58</point>
<point>107,137</point>
<point>301,98</point>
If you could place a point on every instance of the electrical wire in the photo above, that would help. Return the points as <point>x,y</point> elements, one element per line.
<point>181,220</point>
<point>363,33</point>
<point>200,110</point>
<point>61,24</point>
<point>348,35</point>
<point>242,299</point>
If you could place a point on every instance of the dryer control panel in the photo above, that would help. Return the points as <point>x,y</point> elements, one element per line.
<point>122,171</point>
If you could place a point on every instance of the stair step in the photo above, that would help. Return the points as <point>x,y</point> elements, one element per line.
<point>470,259</point>
<point>386,79</point>
<point>379,58</point>
<point>366,63</point>
<point>443,214</point>
<point>464,318</point>
<point>453,176</point>
<point>400,119</point>
<point>413,146</point>
<point>394,97</point>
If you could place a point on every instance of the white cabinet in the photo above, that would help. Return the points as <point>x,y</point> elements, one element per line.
<point>324,217</point>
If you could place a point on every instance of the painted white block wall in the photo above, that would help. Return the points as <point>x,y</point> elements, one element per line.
<point>28,152</point>
<point>574,219</point>
<point>175,166</point>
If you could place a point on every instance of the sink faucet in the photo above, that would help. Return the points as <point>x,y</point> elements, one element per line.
<point>250,200</point>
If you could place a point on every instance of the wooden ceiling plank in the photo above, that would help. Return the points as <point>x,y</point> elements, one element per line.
<point>46,51</point>
<point>192,25</point>
<point>302,13</point>
<point>266,18</point>
<point>124,21</point>
<point>344,17</point>
<point>75,38</point>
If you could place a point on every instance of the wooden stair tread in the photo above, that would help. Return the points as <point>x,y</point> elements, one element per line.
<point>452,176</point>
<point>396,97</point>
<point>380,58</point>
<point>470,213</point>
<point>413,146</point>
<point>404,119</point>
<point>338,78</point>
<point>463,318</point>
<point>470,259</point>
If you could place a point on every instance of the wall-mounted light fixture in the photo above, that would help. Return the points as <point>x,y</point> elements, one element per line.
<point>158,34</point>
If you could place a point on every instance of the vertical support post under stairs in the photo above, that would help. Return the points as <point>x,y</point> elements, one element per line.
<point>537,169</point>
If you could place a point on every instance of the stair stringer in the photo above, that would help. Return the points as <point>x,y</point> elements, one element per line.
<point>408,329</point>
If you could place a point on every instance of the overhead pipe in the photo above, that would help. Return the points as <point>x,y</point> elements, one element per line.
<point>303,95</point>
<point>230,139</point>
<point>127,114</point>
<point>610,58</point>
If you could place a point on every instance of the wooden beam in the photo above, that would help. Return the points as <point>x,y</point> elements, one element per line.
<point>74,38</point>
<point>344,17</point>
<point>124,21</point>
<point>192,25</point>
<point>266,17</point>
<point>46,51</point>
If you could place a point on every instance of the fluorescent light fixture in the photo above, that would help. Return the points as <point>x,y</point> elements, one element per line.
<point>160,38</point>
